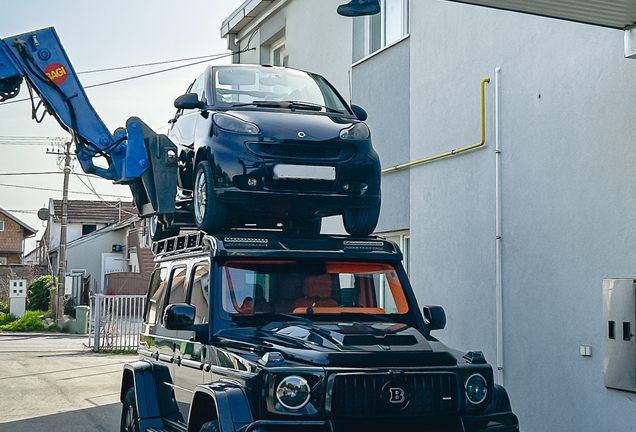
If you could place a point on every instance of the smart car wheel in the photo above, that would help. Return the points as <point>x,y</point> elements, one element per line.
<point>129,416</point>
<point>209,214</point>
<point>158,230</point>
<point>361,222</point>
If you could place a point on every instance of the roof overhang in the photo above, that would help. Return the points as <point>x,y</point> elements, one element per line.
<point>617,14</point>
<point>243,15</point>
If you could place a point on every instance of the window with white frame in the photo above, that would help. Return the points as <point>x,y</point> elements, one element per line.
<point>381,30</point>
<point>403,240</point>
<point>3,260</point>
<point>277,53</point>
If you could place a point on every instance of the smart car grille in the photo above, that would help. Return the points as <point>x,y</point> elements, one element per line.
<point>301,151</point>
<point>369,395</point>
<point>301,185</point>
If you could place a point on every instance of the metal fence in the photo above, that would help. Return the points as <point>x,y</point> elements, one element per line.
<point>115,321</point>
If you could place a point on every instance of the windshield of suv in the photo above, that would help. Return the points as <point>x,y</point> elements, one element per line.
<point>311,287</point>
<point>267,86</point>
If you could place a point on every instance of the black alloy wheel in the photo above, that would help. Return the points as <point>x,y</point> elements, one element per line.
<point>129,415</point>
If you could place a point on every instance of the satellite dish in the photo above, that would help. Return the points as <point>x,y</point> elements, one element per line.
<point>43,214</point>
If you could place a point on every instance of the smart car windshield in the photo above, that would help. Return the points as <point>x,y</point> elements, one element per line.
<point>308,287</point>
<point>273,87</point>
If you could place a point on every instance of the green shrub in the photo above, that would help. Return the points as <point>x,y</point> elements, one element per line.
<point>6,318</point>
<point>4,307</point>
<point>31,322</point>
<point>39,293</point>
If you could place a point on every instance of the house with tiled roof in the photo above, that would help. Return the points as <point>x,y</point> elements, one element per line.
<point>13,232</point>
<point>107,245</point>
<point>84,217</point>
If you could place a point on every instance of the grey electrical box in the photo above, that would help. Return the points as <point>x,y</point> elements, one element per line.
<point>619,322</point>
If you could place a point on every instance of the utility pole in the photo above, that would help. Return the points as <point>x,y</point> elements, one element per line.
<point>61,278</point>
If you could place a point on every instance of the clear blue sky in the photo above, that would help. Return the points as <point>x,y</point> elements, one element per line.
<point>99,35</point>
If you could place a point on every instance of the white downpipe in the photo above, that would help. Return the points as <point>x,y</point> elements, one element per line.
<point>498,239</point>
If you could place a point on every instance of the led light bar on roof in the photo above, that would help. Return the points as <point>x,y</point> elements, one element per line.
<point>245,240</point>
<point>362,243</point>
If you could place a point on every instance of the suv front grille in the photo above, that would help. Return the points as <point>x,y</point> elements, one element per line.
<point>301,150</point>
<point>362,395</point>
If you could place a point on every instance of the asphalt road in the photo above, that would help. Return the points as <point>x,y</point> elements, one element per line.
<point>50,382</point>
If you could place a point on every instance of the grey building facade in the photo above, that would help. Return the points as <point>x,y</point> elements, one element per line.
<point>560,106</point>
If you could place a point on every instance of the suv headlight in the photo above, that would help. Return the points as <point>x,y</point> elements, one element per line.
<point>476,389</point>
<point>359,131</point>
<point>293,392</point>
<point>233,124</point>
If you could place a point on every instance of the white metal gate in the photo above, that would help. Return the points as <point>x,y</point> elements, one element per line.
<point>115,321</point>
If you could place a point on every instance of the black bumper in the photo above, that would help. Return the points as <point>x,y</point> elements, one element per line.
<point>503,422</point>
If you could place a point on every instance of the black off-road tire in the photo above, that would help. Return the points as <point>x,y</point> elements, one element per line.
<point>360,222</point>
<point>209,213</point>
<point>211,426</point>
<point>129,415</point>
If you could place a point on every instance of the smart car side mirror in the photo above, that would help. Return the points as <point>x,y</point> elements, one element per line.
<point>434,317</point>
<point>360,113</point>
<point>178,316</point>
<point>188,101</point>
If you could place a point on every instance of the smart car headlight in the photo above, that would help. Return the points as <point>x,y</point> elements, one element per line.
<point>293,392</point>
<point>233,124</point>
<point>476,389</point>
<point>358,131</point>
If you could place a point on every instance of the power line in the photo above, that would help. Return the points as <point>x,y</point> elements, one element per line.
<point>46,173</point>
<point>92,189</point>
<point>58,190</point>
<point>220,56</point>
<point>147,64</point>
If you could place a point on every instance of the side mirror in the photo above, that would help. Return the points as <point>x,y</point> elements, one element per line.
<point>434,317</point>
<point>188,101</point>
<point>360,113</point>
<point>179,316</point>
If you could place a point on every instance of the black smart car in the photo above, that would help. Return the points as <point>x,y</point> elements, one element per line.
<point>263,331</point>
<point>273,147</point>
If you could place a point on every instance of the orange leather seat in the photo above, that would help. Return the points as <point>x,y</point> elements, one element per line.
<point>317,290</point>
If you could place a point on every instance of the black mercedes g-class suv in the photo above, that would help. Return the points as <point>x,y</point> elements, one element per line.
<point>249,331</point>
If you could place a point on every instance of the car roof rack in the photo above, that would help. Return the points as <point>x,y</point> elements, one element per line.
<point>181,243</point>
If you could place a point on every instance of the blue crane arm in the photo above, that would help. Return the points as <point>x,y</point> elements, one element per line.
<point>136,156</point>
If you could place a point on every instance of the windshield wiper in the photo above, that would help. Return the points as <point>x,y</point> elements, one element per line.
<point>289,105</point>
<point>280,314</point>
<point>380,317</point>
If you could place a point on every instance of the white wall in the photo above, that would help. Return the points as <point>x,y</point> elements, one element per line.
<point>568,199</point>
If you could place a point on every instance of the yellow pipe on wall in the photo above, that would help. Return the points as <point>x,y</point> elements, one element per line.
<point>456,151</point>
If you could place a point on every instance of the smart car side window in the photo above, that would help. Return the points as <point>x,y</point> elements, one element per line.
<point>198,87</point>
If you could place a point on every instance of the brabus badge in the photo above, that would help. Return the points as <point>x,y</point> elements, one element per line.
<point>395,395</point>
<point>302,134</point>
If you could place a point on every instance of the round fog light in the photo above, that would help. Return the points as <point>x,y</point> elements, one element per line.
<point>252,182</point>
<point>293,392</point>
<point>476,389</point>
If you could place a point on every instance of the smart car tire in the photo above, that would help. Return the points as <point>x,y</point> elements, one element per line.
<point>129,416</point>
<point>361,222</point>
<point>158,230</point>
<point>209,213</point>
<point>211,426</point>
